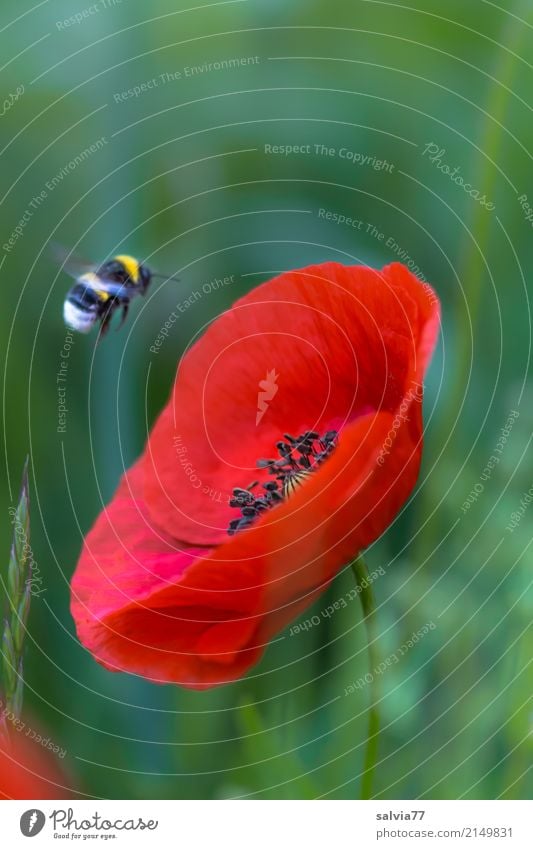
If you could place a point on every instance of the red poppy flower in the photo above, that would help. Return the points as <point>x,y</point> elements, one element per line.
<point>317,375</point>
<point>27,771</point>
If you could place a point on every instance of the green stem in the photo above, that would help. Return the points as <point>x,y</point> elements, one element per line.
<point>368,603</point>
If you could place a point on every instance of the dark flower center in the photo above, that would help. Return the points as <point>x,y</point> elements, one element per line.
<point>298,458</point>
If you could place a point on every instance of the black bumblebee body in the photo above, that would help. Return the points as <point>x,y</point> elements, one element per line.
<point>100,292</point>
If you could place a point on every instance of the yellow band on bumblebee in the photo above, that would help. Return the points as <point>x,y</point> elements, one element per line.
<point>131,265</point>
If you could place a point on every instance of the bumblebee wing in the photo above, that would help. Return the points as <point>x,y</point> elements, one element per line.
<point>71,262</point>
<point>110,286</point>
<point>92,280</point>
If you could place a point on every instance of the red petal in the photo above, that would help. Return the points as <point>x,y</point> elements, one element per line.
<point>340,341</point>
<point>133,608</point>
<point>27,770</point>
<point>213,621</point>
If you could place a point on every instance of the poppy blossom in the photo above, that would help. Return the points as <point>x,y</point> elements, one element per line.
<point>27,771</point>
<point>292,437</point>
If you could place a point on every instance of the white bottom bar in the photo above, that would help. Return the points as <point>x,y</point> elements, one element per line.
<point>268,825</point>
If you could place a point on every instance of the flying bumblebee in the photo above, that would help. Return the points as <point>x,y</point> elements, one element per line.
<point>102,290</point>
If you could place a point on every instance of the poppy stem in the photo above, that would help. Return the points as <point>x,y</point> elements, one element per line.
<point>368,603</point>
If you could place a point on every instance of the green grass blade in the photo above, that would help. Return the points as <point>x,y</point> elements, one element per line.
<point>18,596</point>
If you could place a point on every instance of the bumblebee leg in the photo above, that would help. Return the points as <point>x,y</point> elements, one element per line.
<point>104,327</point>
<point>125,308</point>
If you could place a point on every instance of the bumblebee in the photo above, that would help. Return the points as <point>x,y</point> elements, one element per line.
<point>101,291</point>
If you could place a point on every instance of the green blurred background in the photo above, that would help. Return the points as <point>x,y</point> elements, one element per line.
<point>182,179</point>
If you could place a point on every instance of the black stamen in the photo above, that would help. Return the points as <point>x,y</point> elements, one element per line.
<point>299,456</point>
